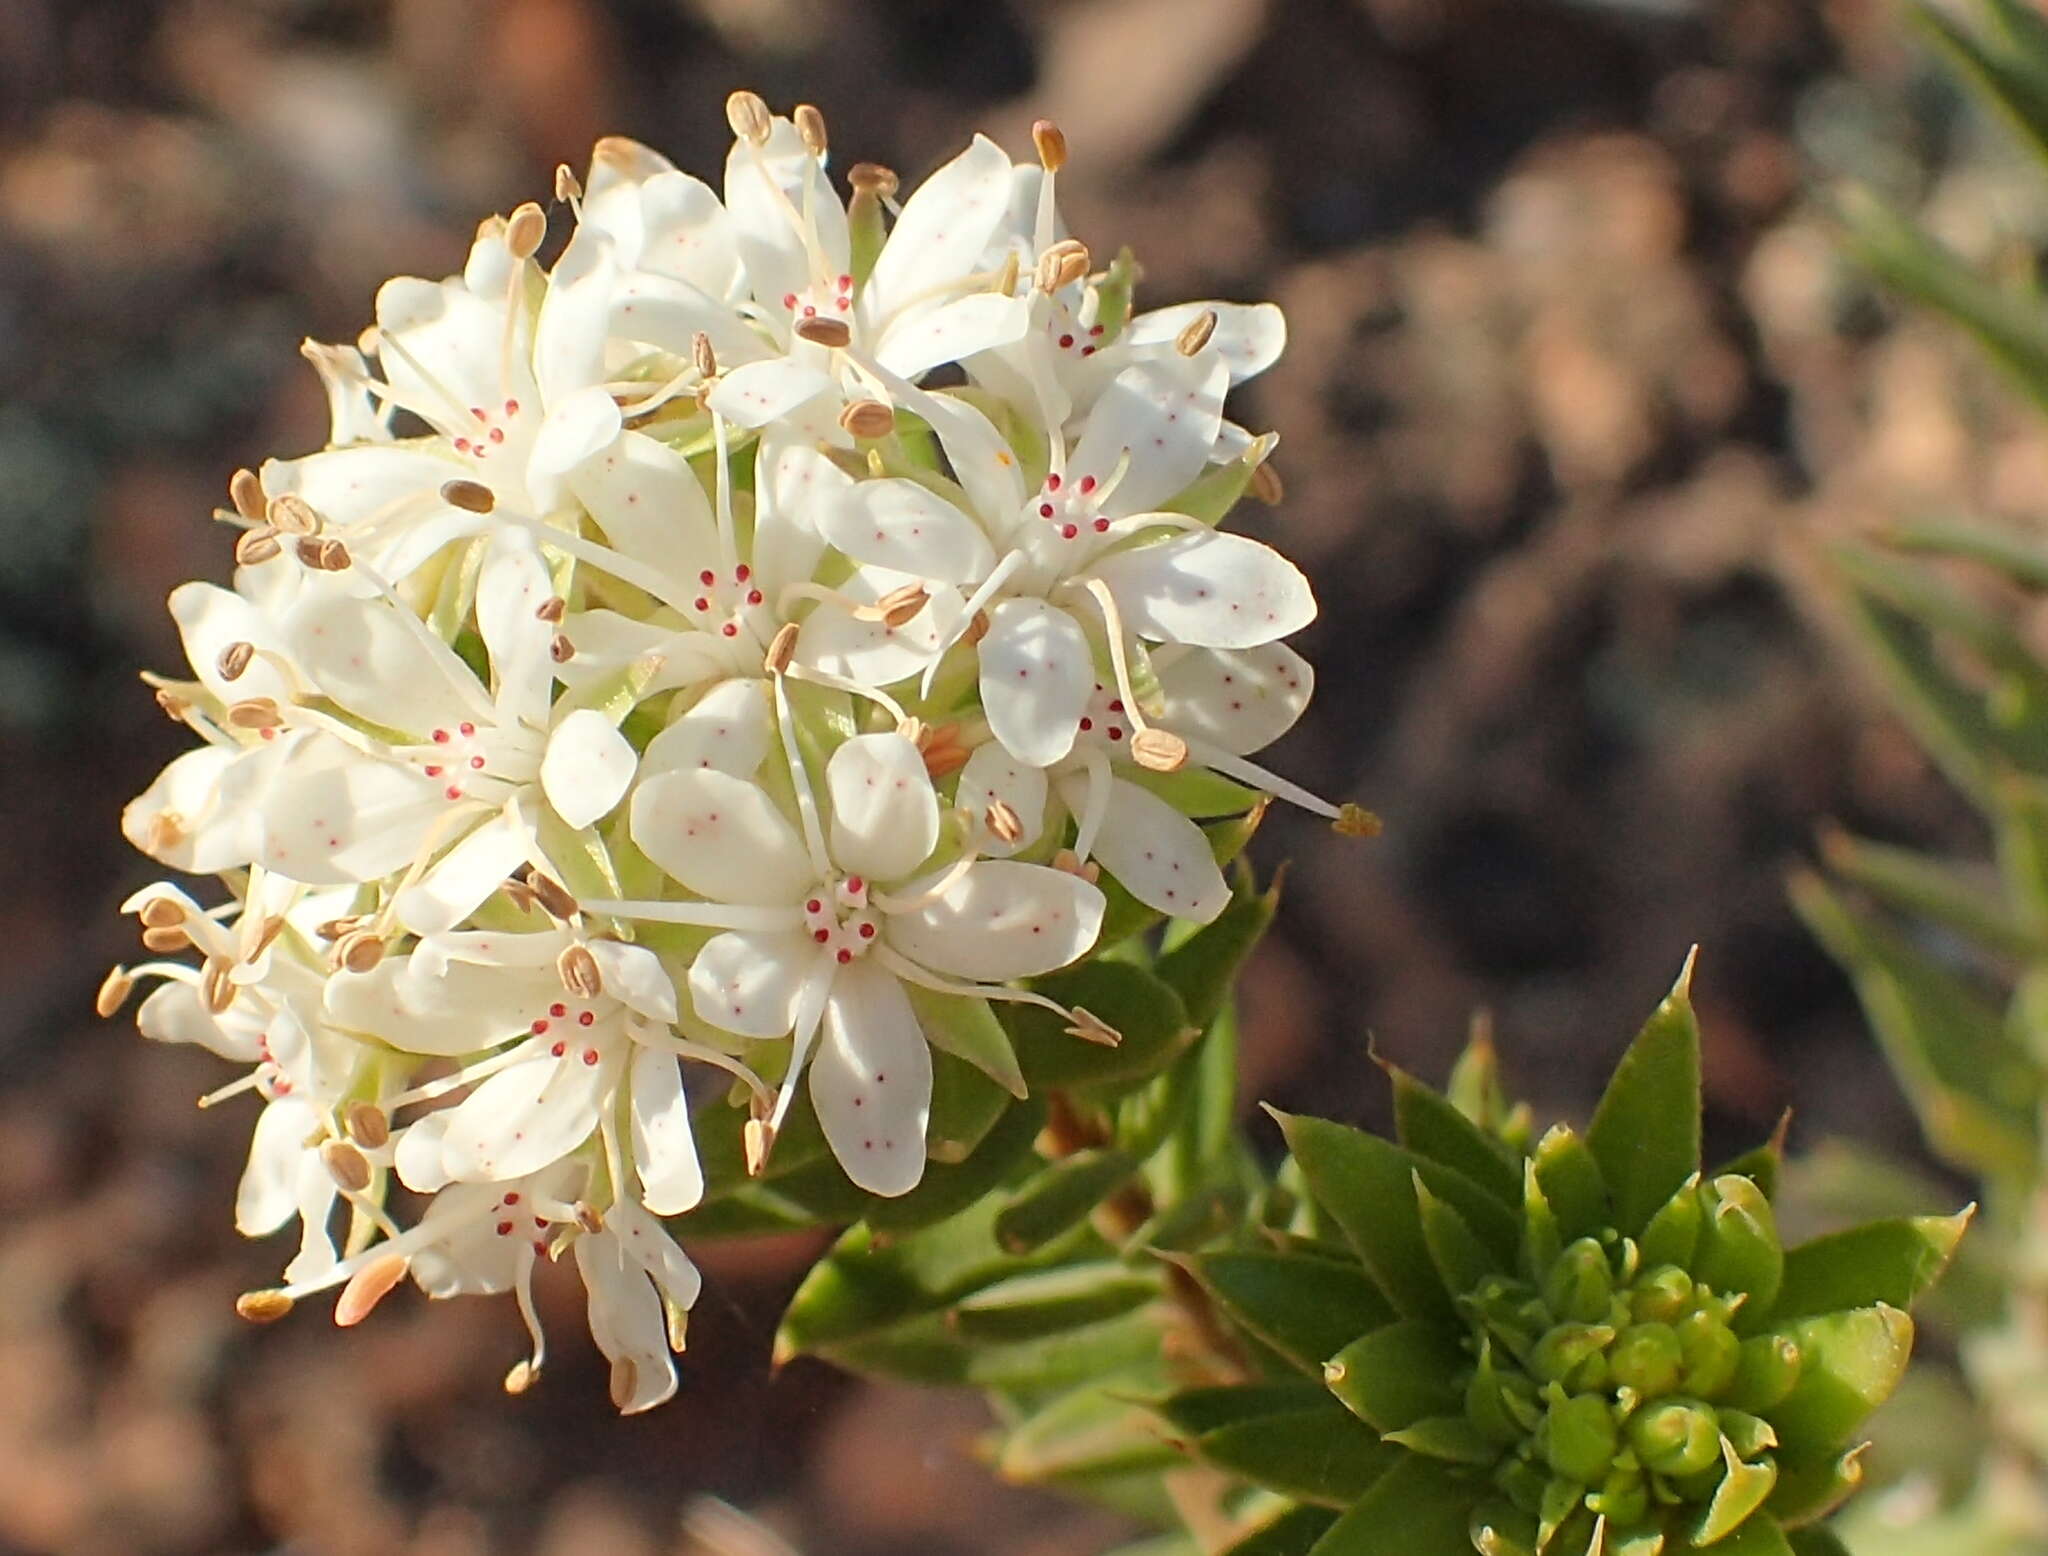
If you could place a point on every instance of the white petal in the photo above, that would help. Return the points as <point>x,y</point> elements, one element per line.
<point>650,505</point>
<point>620,168</point>
<point>417,1158</point>
<point>953,332</point>
<point>871,1080</point>
<point>983,462</point>
<point>457,883</point>
<point>1241,700</point>
<point>873,652</point>
<point>1002,920</point>
<point>569,335</point>
<point>578,428</point>
<point>687,235</point>
<point>792,479</point>
<point>1249,337</point>
<point>1165,414</point>
<point>721,837</point>
<point>341,816</point>
<point>761,392</point>
<point>768,190</point>
<point>469,1007</point>
<point>1209,589</point>
<point>747,981</point>
<point>212,834</point>
<point>454,335</point>
<point>1162,858</point>
<point>669,315</point>
<point>315,1196</point>
<point>899,524</point>
<point>626,1321</point>
<point>209,618</point>
<point>361,655</point>
<point>1036,677</point>
<point>511,586</point>
<point>885,818</point>
<point>664,1150</point>
<point>587,768</point>
<point>942,230</point>
<point>993,774</point>
<point>347,485</point>
<point>267,1196</point>
<point>645,1242</point>
<point>174,1013</point>
<point>527,1115</point>
<point>634,976</point>
<point>608,643</point>
<point>729,728</point>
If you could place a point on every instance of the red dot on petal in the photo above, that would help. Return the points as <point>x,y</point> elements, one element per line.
<point>867,931</point>
<point>1095,330</point>
<point>821,936</point>
<point>441,737</point>
<point>559,1049</point>
<point>730,630</point>
<point>433,772</point>
<point>540,1026</point>
<point>1045,510</point>
<point>1116,734</point>
<point>1052,482</point>
<point>845,956</point>
<point>1087,484</point>
<point>1087,724</point>
<point>1069,531</point>
<point>590,1056</point>
<point>754,596</point>
<point>452,792</point>
<point>468,729</point>
<point>504,1228</point>
<point>1102,526</point>
<point>707,578</point>
<point>1066,341</point>
<point>814,906</point>
<point>558,1010</point>
<point>586,1019</point>
<point>476,762</point>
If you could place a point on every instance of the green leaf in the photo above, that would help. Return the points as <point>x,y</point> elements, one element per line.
<point>1398,1374</point>
<point>950,1187</point>
<point>1427,1123</point>
<point>1849,1364</point>
<point>1203,968</point>
<point>1060,1196</point>
<point>1807,1493</point>
<point>1761,1164</point>
<point>1741,1492</point>
<point>1996,546</point>
<point>1453,1439</point>
<point>1048,1301</point>
<point>2014,78</point>
<point>926,1349</point>
<point>1461,1260</point>
<point>1293,1533</point>
<point>1645,1133</point>
<point>1140,1006</point>
<point>1083,1433</point>
<point>966,1028</point>
<point>1307,1309</point>
<point>1975,1094</point>
<point>1962,897</point>
<point>1368,1187</point>
<point>1571,1183</point>
<point>1191,1412</point>
<point>2022,830</point>
<point>1321,1455</point>
<point>965,1106</point>
<point>1415,1509</point>
<point>1815,1542</point>
<point>1882,1261</point>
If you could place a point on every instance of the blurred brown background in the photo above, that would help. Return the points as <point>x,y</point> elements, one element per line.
<point>1575,386</point>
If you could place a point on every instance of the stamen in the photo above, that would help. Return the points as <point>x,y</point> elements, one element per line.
<point>358,951</point>
<point>1195,336</point>
<point>165,941</point>
<point>525,230</point>
<point>234,659</point>
<point>568,189</point>
<point>113,992</point>
<point>471,496</point>
<point>263,1307</point>
<point>800,780</point>
<point>290,514</point>
<point>256,546</point>
<point>748,115</point>
<point>1113,624</point>
<point>221,1094</point>
<point>367,1124</point>
<point>367,1287</point>
<point>1095,809</point>
<point>1159,750</point>
<point>868,419</point>
<point>1001,818</point>
<point>781,648</point>
<point>823,331</point>
<point>552,895</point>
<point>579,972</point>
<point>245,491</point>
<point>1051,145</point>
<point>706,915</point>
<point>948,879</point>
<point>346,1165</point>
<point>810,125</point>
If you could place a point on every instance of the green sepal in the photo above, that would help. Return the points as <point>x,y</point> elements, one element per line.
<point>1461,1260</point>
<point>1849,1364</point>
<point>1739,1249</point>
<point>1113,295</point>
<point>1572,1183</point>
<point>1453,1439</point>
<point>1758,1535</point>
<point>1368,1187</point>
<point>1673,1235</point>
<point>1645,1132</point>
<point>1142,1007</point>
<point>1493,1403</point>
<point>1397,1375</point>
<point>1202,969</point>
<point>1881,1261</point>
<point>1048,1301</point>
<point>1308,1309</point>
<point>1542,1238</point>
<point>1807,1493</point>
<point>1322,1454</point>
<point>614,695</point>
<point>965,1027</point>
<point>1429,1124</point>
<point>1416,1509</point>
<point>1082,1434</point>
<point>1209,498</point>
<point>1060,1197</point>
<point>1292,1533</point>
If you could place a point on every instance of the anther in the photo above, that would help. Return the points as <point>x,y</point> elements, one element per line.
<point>358,951</point>
<point>901,604</point>
<point>822,331</point>
<point>589,1217</point>
<point>868,419</point>
<point>234,659</point>
<point>113,992</point>
<point>525,230</point>
<point>257,545</point>
<point>781,649</point>
<point>552,609</point>
<point>568,187</point>
<point>1265,485</point>
<point>472,496</point>
<point>1003,821</point>
<point>871,178</point>
<point>290,514</point>
<point>263,1307</point>
<point>560,649</point>
<point>1159,750</point>
<point>757,1139</point>
<point>174,706</point>
<point>977,629</point>
<point>347,1166</point>
<point>1090,1028</point>
<point>368,1125</point>
<point>1070,863</point>
<point>245,491</point>
<point>625,1379</point>
<point>914,730</point>
<point>166,831</point>
<point>1192,339</point>
<point>162,912</point>
<point>323,554</point>
<point>553,896</point>
<point>335,928</point>
<point>521,1378</point>
<point>216,989</point>
<point>749,117</point>
<point>702,357</point>
<point>810,124</point>
<point>1064,263</point>
<point>1355,821</point>
<point>579,973</point>
<point>1006,278</point>
<point>166,940</point>
<point>1051,144</point>
<point>254,713</point>
<point>366,1288</point>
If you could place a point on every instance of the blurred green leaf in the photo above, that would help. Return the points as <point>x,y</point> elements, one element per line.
<point>1427,1123</point>
<point>1306,1308</point>
<point>1060,1196</point>
<point>1142,1007</point>
<point>1416,1509</point>
<point>1047,1301</point>
<point>1881,1261</point>
<point>1322,1454</point>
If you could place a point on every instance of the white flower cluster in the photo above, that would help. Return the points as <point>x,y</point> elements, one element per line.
<point>651,670</point>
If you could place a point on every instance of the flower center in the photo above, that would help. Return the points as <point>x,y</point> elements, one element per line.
<point>513,1215</point>
<point>1069,335</point>
<point>1105,723</point>
<point>578,1029</point>
<point>484,434</point>
<point>827,299</point>
<point>725,602</point>
<point>457,757</point>
<point>837,916</point>
<point>1068,509</point>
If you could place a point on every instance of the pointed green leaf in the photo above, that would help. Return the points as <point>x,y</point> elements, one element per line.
<point>1461,1260</point>
<point>1645,1133</point>
<point>1048,1301</point>
<point>1141,1007</point>
<point>1083,1433</point>
<point>1453,1439</point>
<point>966,1028</point>
<point>2018,556</point>
<point>1882,1261</point>
<point>2014,79</point>
<point>1807,1493</point>
<point>1739,1249</point>
<point>1741,1492</point>
<point>1415,1509</point>
<point>1203,968</point>
<point>1060,1197</point>
<point>1427,1123</point>
<point>965,1106</point>
<point>1763,1164</point>
<point>1816,1542</point>
<point>1323,1455</point>
<point>1308,1309</point>
<point>1191,1412</point>
<point>1673,1235</point>
<point>1398,1375</point>
<point>1572,1184</point>
<point>1849,1364</point>
<point>1292,1533</point>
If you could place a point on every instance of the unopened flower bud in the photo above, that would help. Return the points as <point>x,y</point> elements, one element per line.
<point>1712,1353</point>
<point>1663,1294</point>
<point>1581,1437</point>
<point>1580,1285</point>
<point>1675,1437</point>
<point>1647,1358</point>
<point>1765,1372</point>
<point>1564,1347</point>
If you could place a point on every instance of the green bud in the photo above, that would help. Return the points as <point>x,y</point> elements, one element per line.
<point>1579,1285</point>
<point>1676,1437</point>
<point>1502,1405</point>
<point>1712,1353</point>
<point>1571,1182</point>
<point>1566,1347</point>
<point>1766,1372</point>
<point>1674,1232</point>
<point>1739,1249</point>
<point>1580,1438</point>
<point>1662,1295</point>
<point>1750,1436</point>
<point>1524,1484</point>
<point>1623,1497</point>
<point>1648,1359</point>
<point>1501,1529</point>
<point>1541,1240</point>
